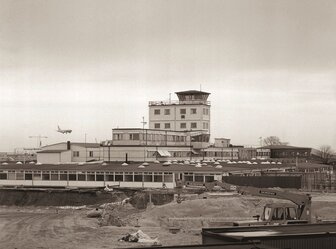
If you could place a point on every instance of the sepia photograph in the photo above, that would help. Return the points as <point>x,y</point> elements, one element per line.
<point>172,124</point>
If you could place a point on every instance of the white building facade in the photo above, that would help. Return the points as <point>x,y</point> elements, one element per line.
<point>67,152</point>
<point>190,113</point>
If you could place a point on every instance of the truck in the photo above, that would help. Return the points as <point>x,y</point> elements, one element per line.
<point>297,212</point>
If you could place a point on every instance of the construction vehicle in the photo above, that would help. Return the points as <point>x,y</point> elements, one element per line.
<point>279,213</point>
<point>297,212</point>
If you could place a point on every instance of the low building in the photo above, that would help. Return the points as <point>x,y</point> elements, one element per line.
<point>288,152</point>
<point>153,175</point>
<point>263,153</point>
<point>143,153</point>
<point>67,152</point>
<point>222,142</point>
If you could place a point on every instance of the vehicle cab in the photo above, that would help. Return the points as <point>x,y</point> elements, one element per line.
<point>278,214</point>
<point>274,214</point>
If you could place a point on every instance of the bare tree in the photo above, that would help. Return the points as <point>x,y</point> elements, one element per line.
<point>272,140</point>
<point>326,153</point>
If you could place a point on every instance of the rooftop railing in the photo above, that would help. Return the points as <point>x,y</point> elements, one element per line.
<point>177,102</point>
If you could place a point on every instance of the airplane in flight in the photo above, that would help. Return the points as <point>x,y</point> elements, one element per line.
<point>63,131</point>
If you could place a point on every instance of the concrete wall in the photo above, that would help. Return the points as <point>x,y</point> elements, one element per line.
<point>49,157</point>
<point>60,157</point>
<point>84,153</point>
<point>175,118</point>
<point>222,142</point>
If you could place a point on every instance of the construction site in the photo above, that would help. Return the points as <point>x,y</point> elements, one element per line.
<point>185,215</point>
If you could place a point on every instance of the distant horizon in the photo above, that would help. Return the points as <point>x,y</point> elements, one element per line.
<point>92,66</point>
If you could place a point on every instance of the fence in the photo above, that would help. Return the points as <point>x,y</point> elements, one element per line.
<point>283,181</point>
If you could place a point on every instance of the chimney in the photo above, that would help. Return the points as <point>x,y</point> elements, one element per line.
<point>68,145</point>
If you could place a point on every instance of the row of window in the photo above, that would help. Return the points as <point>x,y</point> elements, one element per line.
<point>76,153</point>
<point>220,154</point>
<point>263,153</point>
<point>103,176</point>
<point>89,176</point>
<point>193,125</point>
<point>183,111</point>
<point>108,177</point>
<point>149,137</point>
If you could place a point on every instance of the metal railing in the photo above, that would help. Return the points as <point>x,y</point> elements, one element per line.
<point>177,102</point>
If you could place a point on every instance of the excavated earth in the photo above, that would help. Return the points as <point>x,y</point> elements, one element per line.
<point>50,226</point>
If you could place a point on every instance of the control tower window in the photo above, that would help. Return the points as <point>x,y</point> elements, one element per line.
<point>167,112</point>
<point>157,112</point>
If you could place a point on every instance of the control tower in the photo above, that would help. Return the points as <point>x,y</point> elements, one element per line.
<point>191,113</point>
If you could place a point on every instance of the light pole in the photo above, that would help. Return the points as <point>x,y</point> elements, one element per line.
<point>85,149</point>
<point>297,161</point>
<point>191,139</point>
<point>143,136</point>
<point>222,150</point>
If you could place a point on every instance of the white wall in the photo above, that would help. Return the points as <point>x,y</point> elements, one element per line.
<point>60,157</point>
<point>97,153</point>
<point>175,117</point>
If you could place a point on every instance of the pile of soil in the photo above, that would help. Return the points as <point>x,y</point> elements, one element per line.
<point>18,197</point>
<point>141,199</point>
<point>118,214</point>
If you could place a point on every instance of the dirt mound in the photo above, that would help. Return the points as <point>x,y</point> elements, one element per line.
<point>141,199</point>
<point>118,214</point>
<point>197,213</point>
<point>16,197</point>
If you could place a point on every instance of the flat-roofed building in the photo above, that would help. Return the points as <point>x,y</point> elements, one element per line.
<point>66,152</point>
<point>190,113</point>
<point>286,151</point>
<point>150,137</point>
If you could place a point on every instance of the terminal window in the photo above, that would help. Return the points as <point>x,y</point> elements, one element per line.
<point>182,111</point>
<point>193,125</point>
<point>193,110</point>
<point>167,125</point>
<point>157,125</point>
<point>76,154</point>
<point>183,125</point>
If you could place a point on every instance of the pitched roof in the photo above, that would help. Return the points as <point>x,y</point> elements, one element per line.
<point>85,145</point>
<point>51,151</point>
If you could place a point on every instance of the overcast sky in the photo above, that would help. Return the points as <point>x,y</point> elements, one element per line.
<point>91,66</point>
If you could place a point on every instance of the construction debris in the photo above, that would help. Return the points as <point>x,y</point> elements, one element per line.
<point>96,213</point>
<point>140,237</point>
